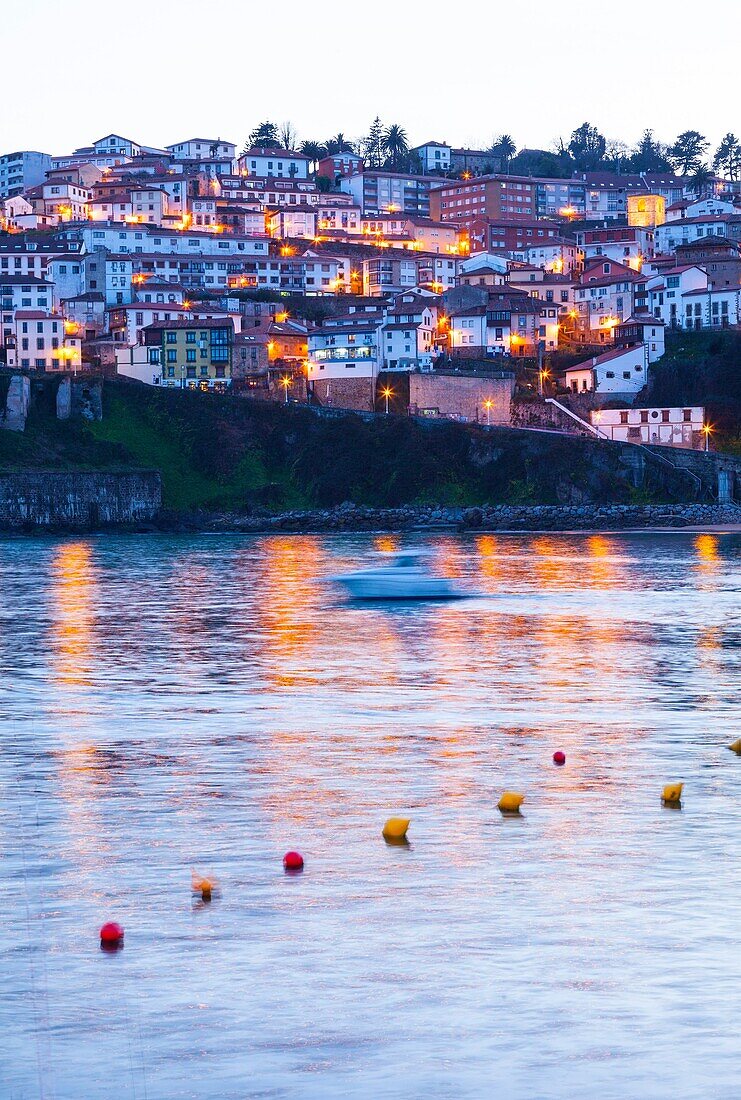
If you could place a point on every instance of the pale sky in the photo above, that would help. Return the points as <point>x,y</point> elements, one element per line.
<point>161,71</point>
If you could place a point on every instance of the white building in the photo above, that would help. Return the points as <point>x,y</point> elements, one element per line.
<point>40,343</point>
<point>281,163</point>
<point>149,205</point>
<point>713,308</point>
<point>19,171</point>
<point>434,155</point>
<point>203,149</point>
<point>642,329</point>
<point>623,371</point>
<point>333,215</point>
<point>559,256</point>
<point>68,201</point>
<point>346,347</point>
<point>327,274</point>
<point>294,221</point>
<point>699,208</point>
<point>66,273</point>
<point>21,292</point>
<point>682,297</point>
<point>133,239</point>
<point>408,334</point>
<point>604,297</point>
<point>114,145</point>
<point>672,427</point>
<point>685,230</point>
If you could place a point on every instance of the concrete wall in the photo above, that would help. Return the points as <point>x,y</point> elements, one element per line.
<point>77,500</point>
<point>462,396</point>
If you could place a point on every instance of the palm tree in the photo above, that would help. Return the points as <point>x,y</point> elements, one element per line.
<point>395,143</point>
<point>702,179</point>
<point>338,144</point>
<point>505,147</point>
<point>314,150</point>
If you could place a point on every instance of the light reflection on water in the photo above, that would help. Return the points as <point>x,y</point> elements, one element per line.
<point>171,703</point>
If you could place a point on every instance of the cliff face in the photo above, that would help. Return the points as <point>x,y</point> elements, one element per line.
<point>232,455</point>
<point>72,500</point>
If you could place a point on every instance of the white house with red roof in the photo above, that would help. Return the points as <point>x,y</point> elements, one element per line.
<point>620,371</point>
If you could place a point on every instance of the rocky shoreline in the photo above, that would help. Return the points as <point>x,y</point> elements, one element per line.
<point>500,517</point>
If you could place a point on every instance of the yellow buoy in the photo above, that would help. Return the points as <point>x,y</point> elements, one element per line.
<point>510,802</point>
<point>395,828</point>
<point>203,886</point>
<point>736,747</point>
<point>672,794</point>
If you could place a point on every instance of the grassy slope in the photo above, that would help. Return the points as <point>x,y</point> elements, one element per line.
<point>159,444</point>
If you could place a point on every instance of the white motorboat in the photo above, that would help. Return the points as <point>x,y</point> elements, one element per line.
<point>401,577</point>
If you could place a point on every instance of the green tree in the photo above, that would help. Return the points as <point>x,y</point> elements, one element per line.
<point>542,162</point>
<point>338,144</point>
<point>373,144</point>
<point>264,136</point>
<point>686,154</point>
<point>649,155</point>
<point>395,144</point>
<point>504,147</point>
<point>701,182</point>
<point>314,150</point>
<point>727,159</point>
<point>587,146</point>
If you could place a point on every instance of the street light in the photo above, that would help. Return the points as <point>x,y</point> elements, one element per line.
<point>487,405</point>
<point>707,432</point>
<point>387,392</point>
<point>285,382</point>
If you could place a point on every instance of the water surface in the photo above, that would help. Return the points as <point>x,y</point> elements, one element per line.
<point>170,703</point>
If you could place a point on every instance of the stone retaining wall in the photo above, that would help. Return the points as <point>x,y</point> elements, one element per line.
<point>502,517</point>
<point>77,501</point>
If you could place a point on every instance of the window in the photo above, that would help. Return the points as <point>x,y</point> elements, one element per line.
<point>190,355</point>
<point>624,417</point>
<point>664,416</point>
<point>172,355</point>
<point>172,338</point>
<point>687,415</point>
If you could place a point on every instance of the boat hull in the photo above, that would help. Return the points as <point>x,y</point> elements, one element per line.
<point>384,585</point>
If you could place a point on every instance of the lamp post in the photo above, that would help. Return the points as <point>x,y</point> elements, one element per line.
<point>707,432</point>
<point>286,384</point>
<point>487,405</point>
<point>387,392</point>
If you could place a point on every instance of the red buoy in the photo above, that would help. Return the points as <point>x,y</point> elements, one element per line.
<point>293,861</point>
<point>559,757</point>
<point>111,934</point>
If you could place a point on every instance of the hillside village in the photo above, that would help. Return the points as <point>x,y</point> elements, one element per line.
<point>439,282</point>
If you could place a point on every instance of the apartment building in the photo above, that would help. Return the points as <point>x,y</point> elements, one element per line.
<point>378,192</point>
<point>21,170</point>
